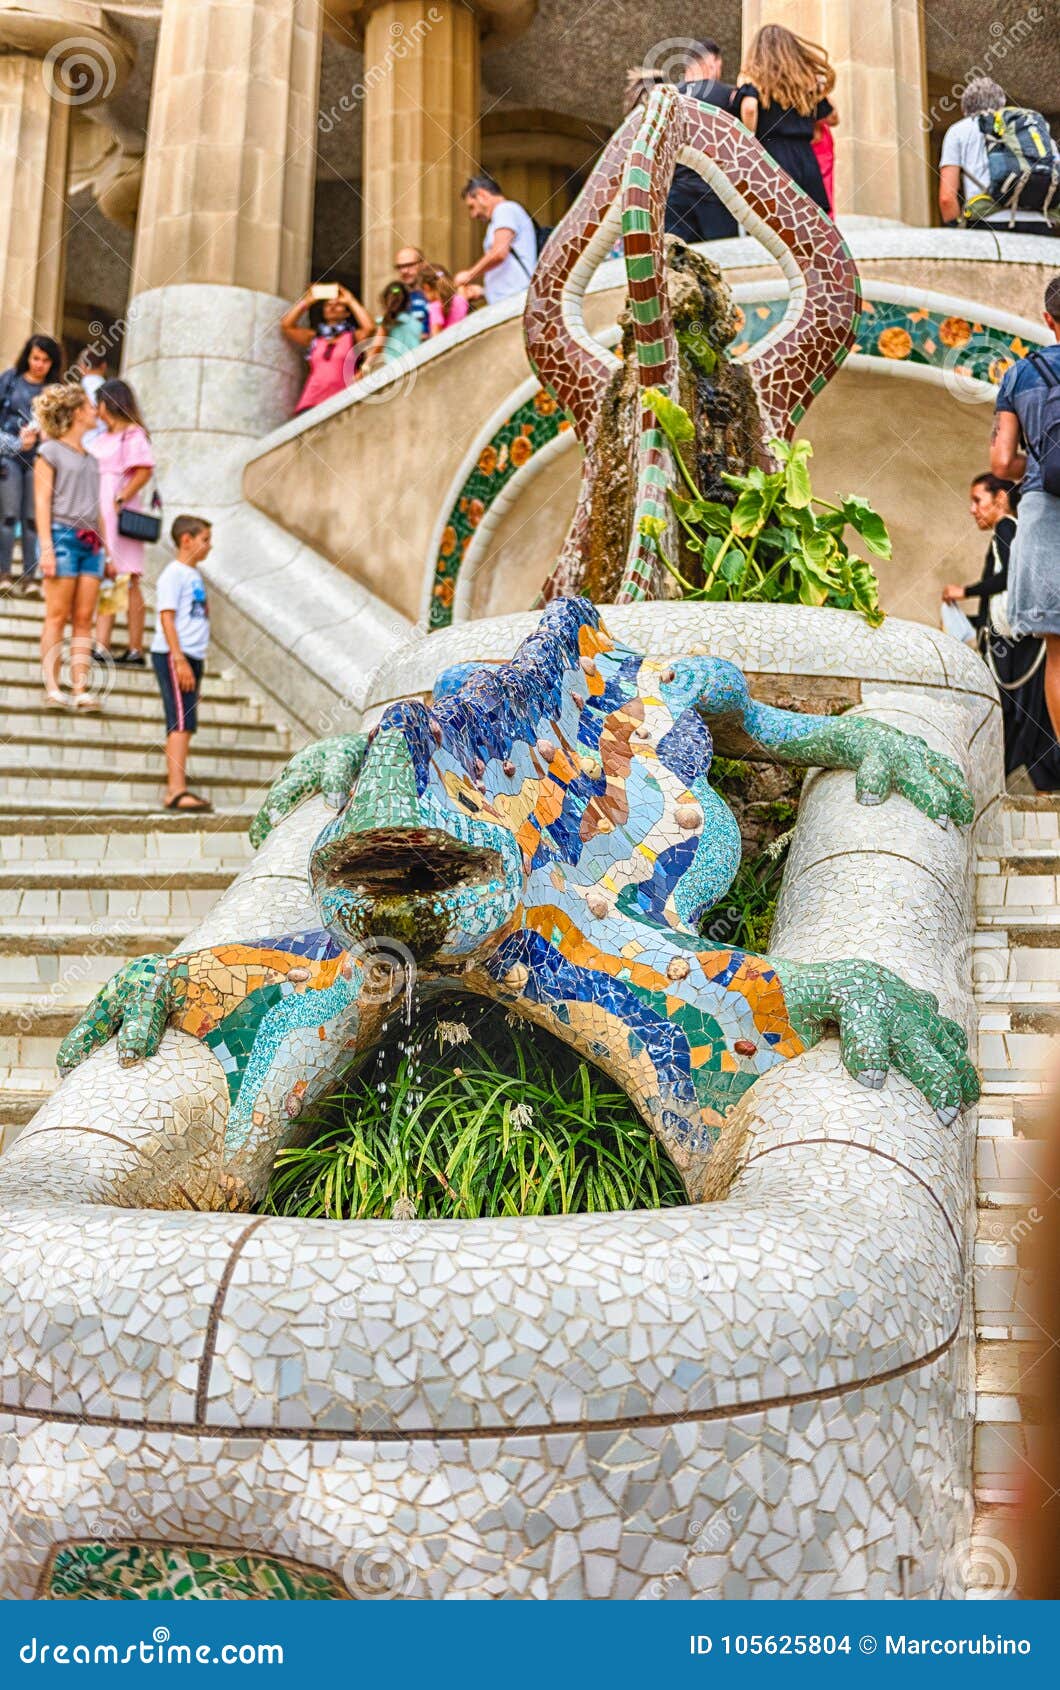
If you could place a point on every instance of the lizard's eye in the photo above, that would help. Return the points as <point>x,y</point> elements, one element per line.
<point>667,676</point>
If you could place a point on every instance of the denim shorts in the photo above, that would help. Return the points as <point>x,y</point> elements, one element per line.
<point>74,556</point>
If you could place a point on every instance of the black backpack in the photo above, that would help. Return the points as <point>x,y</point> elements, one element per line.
<point>1048,449</point>
<point>1023,162</point>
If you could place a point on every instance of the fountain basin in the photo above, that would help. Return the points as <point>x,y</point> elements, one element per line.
<point>765,1394</point>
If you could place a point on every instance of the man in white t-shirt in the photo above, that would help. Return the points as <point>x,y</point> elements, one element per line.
<point>509,247</point>
<point>964,170</point>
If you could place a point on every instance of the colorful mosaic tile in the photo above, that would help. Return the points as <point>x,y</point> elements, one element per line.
<point>544,832</point>
<point>532,425</point>
<point>133,1572</point>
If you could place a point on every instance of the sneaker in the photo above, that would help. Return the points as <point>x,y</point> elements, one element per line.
<point>131,660</point>
<point>100,654</point>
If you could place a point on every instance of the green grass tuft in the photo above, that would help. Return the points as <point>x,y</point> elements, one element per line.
<point>509,1122</point>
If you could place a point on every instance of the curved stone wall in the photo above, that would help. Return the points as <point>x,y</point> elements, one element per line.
<point>385,483</point>
<point>763,1395</point>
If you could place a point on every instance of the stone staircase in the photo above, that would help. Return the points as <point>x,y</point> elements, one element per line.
<point>92,870</point>
<point>1016,962</point>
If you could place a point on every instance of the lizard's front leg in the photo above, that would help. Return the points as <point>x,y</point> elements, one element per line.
<point>279,1019</point>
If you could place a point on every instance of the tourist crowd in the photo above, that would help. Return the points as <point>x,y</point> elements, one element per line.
<point>76,458</point>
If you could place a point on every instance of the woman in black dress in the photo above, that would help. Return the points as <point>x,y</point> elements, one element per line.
<point>784,84</point>
<point>1017,665</point>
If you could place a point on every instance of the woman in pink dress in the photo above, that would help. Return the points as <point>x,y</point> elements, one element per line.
<point>336,326</point>
<point>126,464</point>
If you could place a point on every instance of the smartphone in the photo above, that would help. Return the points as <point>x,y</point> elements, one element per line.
<point>324,290</point>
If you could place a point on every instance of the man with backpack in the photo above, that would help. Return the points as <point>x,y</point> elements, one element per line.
<point>509,247</point>
<point>1025,447</point>
<point>1000,168</point>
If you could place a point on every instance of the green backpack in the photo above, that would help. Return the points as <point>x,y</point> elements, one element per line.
<point>1024,165</point>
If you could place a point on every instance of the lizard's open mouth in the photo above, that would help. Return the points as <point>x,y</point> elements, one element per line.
<point>407,883</point>
<point>406,862</point>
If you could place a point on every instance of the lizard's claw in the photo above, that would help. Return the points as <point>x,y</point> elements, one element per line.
<point>883,1023</point>
<point>135,1003</point>
<point>328,767</point>
<point>899,762</point>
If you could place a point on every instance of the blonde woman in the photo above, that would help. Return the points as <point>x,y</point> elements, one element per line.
<point>783,95</point>
<point>69,530</point>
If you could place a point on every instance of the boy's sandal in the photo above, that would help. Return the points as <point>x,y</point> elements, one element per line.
<point>87,701</point>
<point>196,807</point>
<point>55,700</point>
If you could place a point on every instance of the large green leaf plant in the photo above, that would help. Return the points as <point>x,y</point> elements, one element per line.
<point>777,543</point>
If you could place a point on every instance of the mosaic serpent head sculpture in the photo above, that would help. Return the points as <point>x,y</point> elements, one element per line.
<point>626,195</point>
<point>543,832</point>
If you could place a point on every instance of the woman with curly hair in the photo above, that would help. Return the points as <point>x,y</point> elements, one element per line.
<point>783,95</point>
<point>70,529</point>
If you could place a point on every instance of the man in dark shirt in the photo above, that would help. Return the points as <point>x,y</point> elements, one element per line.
<point>1018,441</point>
<point>693,211</point>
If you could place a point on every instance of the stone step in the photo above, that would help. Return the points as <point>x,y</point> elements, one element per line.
<point>31,1030</point>
<point>19,637</point>
<point>1009,1164</point>
<point>141,718</point>
<point>1011,1051</point>
<point>1005,1305</point>
<point>1010,1367</point>
<point>1018,894</point>
<point>71,755</point>
<point>171,900</point>
<point>988,1565</point>
<point>1001,1445</point>
<point>1023,1000</point>
<point>131,874</point>
<point>1031,821</point>
<point>143,787</point>
<point>16,1108</point>
<point>999,954</point>
<point>63,962</point>
<point>55,830</point>
<point>105,733</point>
<point>23,671</point>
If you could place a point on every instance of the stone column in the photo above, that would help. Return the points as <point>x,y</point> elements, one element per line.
<point>421,136</point>
<point>227,195</point>
<point>877,48</point>
<point>420,90</point>
<point>54,57</point>
<point>538,158</point>
<point>223,230</point>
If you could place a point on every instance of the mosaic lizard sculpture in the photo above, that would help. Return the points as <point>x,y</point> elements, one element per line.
<point>625,195</point>
<point>544,832</point>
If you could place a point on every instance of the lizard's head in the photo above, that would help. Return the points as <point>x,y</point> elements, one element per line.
<point>404,862</point>
<point>460,799</point>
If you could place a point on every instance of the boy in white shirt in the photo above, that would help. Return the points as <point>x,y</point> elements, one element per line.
<point>178,651</point>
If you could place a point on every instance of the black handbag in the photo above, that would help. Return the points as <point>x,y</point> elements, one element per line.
<point>141,525</point>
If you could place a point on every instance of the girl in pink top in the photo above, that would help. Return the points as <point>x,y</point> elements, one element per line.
<point>126,464</point>
<point>446,304</point>
<point>328,340</point>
